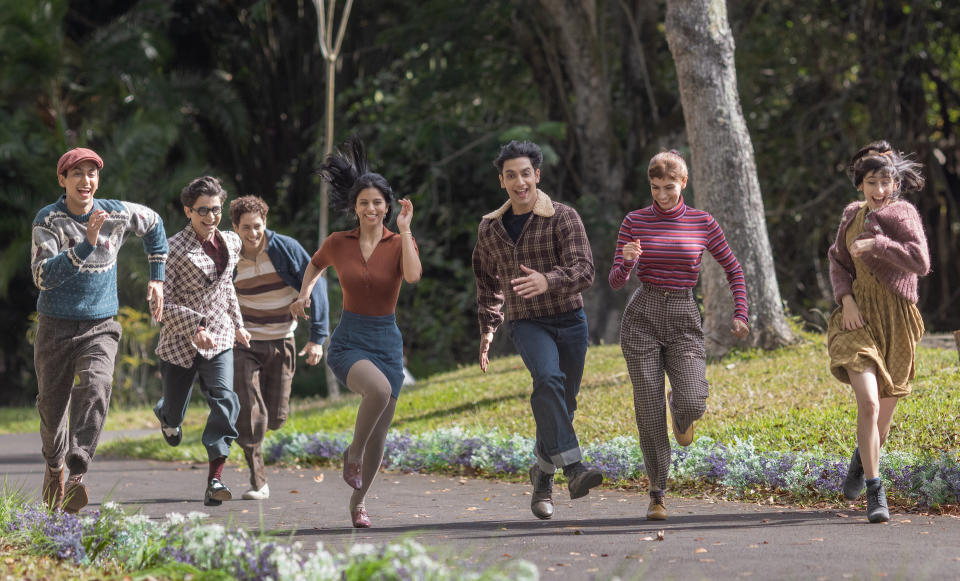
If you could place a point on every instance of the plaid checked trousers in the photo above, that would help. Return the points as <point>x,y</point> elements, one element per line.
<point>661,332</point>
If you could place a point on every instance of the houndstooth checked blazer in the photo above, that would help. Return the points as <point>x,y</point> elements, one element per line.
<point>194,295</point>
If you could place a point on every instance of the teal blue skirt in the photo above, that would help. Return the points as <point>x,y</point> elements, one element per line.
<point>374,338</point>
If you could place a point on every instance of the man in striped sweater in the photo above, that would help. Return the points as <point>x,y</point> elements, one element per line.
<point>268,279</point>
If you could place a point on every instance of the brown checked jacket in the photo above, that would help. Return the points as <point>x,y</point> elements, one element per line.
<point>195,296</point>
<point>553,242</point>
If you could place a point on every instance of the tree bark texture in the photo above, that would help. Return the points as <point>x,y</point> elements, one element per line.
<point>573,30</point>
<point>724,173</point>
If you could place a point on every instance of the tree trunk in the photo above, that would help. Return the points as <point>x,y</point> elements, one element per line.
<point>574,34</point>
<point>724,173</point>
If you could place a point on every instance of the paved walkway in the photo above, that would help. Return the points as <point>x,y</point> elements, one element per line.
<point>486,522</point>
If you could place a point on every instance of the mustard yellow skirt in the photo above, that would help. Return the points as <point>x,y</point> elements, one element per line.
<point>887,341</point>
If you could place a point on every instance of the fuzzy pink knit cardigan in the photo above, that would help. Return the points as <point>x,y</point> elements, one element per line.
<point>899,257</point>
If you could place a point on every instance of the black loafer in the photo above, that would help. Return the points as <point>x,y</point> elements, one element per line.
<point>170,434</point>
<point>580,483</point>
<point>216,493</point>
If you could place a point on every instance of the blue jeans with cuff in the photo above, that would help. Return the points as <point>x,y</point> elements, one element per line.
<point>554,349</point>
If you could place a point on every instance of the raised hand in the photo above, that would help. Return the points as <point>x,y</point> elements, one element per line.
<point>405,217</point>
<point>632,251</point>
<point>96,220</point>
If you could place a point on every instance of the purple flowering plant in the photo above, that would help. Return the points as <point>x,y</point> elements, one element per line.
<point>737,466</point>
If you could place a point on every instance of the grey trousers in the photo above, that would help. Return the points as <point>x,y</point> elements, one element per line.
<point>661,332</point>
<point>216,383</point>
<point>65,350</point>
<point>262,378</point>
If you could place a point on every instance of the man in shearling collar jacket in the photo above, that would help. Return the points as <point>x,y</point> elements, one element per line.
<point>532,260</point>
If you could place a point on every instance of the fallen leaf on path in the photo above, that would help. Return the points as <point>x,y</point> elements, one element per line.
<point>486,499</point>
<point>905,520</point>
<point>294,491</point>
<point>753,546</point>
<point>698,539</point>
<point>507,555</point>
<point>472,508</point>
<point>646,539</point>
<point>578,532</point>
<point>706,560</point>
<point>318,478</point>
<point>700,550</point>
<point>574,553</point>
<point>817,540</point>
<point>841,515</point>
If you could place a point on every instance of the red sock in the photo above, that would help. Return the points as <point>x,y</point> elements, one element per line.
<point>216,468</point>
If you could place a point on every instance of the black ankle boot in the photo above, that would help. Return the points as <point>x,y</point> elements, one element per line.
<point>877,510</point>
<point>853,483</point>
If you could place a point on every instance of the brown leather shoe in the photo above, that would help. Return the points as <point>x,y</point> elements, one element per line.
<point>541,503</point>
<point>656,510</point>
<point>683,438</point>
<point>75,497</point>
<point>53,487</point>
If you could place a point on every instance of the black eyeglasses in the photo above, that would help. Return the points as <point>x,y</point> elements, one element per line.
<point>204,210</point>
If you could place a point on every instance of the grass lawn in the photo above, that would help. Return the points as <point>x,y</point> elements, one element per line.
<point>784,400</point>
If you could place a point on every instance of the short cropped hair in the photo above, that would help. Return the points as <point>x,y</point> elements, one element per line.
<point>516,149</point>
<point>202,186</point>
<point>668,165</point>
<point>248,205</point>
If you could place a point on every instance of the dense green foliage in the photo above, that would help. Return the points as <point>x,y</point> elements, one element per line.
<point>167,91</point>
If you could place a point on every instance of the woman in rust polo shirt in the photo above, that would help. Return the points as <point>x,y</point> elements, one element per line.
<point>366,349</point>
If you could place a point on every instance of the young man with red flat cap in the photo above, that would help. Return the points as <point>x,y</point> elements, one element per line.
<point>74,264</point>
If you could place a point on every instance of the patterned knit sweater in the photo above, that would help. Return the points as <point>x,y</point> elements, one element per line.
<point>672,244</point>
<point>78,280</point>
<point>898,258</point>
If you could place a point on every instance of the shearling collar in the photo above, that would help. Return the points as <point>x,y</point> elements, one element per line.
<point>543,207</point>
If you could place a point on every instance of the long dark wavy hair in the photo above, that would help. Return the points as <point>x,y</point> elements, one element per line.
<point>347,173</point>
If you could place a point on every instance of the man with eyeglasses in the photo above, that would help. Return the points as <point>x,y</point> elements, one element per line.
<point>201,323</point>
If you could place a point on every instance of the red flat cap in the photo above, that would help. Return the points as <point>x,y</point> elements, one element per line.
<point>71,158</point>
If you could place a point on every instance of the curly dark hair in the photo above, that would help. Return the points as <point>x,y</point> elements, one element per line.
<point>246,205</point>
<point>516,149</point>
<point>347,173</point>
<point>202,186</point>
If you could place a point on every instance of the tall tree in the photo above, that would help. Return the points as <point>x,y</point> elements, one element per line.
<point>724,173</point>
<point>568,52</point>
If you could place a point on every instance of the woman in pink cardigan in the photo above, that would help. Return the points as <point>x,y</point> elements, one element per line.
<point>879,252</point>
